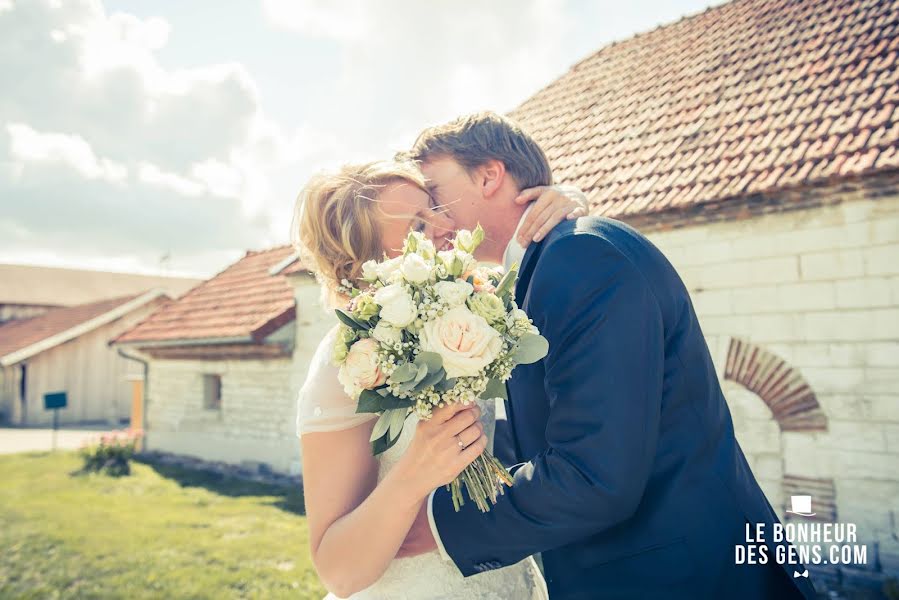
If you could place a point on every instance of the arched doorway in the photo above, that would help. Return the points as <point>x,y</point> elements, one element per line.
<point>767,396</point>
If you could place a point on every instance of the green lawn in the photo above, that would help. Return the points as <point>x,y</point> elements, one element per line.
<point>163,532</point>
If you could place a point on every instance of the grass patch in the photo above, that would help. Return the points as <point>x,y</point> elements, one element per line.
<point>163,532</point>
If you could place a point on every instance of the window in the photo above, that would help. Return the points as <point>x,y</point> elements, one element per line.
<point>212,392</point>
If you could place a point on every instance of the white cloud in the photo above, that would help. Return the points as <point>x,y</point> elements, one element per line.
<point>343,20</point>
<point>27,145</point>
<point>152,175</point>
<point>425,62</point>
<point>106,152</point>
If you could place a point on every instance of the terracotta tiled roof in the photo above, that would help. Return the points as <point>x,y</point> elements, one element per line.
<point>245,302</point>
<point>53,286</point>
<point>751,96</point>
<point>17,335</point>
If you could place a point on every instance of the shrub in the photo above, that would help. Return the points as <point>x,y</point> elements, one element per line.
<point>111,454</point>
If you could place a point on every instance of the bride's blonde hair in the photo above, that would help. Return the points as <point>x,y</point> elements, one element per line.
<point>335,221</point>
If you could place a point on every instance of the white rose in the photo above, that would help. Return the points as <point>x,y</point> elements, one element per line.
<point>389,270</point>
<point>370,270</point>
<point>426,248</point>
<point>465,341</point>
<point>453,293</point>
<point>415,269</point>
<point>386,334</point>
<point>464,240</point>
<point>361,369</point>
<point>397,307</point>
<point>466,260</point>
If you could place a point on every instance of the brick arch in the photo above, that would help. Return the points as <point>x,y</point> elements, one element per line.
<point>780,386</point>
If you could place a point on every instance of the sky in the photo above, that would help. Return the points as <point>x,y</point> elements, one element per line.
<point>170,137</point>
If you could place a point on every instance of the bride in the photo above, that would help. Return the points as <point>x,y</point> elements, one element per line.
<point>360,507</point>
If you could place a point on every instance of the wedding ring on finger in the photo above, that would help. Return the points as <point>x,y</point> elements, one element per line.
<point>460,442</point>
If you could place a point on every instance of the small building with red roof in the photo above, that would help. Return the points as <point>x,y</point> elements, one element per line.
<point>65,349</point>
<point>225,361</point>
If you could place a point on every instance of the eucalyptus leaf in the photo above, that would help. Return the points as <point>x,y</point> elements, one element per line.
<point>531,348</point>
<point>413,383</point>
<point>404,373</point>
<point>495,389</point>
<point>390,402</point>
<point>433,361</point>
<point>422,373</point>
<point>397,418</point>
<point>373,401</point>
<point>381,427</point>
<point>369,402</point>
<point>382,444</point>
<point>431,379</point>
<point>445,385</point>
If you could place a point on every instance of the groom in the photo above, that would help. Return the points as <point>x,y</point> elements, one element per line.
<point>630,481</point>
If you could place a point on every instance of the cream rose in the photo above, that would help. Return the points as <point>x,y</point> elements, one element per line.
<point>361,367</point>
<point>465,341</point>
<point>397,307</point>
<point>454,293</point>
<point>389,270</point>
<point>415,269</point>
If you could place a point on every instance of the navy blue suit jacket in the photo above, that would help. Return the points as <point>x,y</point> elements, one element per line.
<point>634,485</point>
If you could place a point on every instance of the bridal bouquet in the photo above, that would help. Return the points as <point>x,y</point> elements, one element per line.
<point>429,328</point>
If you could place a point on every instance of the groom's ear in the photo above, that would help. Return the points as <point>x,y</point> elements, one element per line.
<point>491,176</point>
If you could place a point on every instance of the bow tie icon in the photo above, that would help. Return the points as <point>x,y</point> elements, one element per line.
<point>798,574</point>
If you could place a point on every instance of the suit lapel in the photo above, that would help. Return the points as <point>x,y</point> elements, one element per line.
<point>526,270</point>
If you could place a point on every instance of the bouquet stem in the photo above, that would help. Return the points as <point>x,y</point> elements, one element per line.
<point>484,479</point>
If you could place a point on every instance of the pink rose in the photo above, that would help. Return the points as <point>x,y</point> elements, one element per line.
<point>480,279</point>
<point>361,366</point>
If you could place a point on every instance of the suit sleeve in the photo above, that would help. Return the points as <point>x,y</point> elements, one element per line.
<point>603,380</point>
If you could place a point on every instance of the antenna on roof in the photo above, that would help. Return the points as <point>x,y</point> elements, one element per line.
<point>164,262</point>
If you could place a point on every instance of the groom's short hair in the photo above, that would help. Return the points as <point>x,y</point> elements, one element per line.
<point>474,139</point>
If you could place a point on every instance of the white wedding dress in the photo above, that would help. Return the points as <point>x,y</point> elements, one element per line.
<point>324,406</point>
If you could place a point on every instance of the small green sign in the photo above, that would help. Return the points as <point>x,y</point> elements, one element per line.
<point>55,400</point>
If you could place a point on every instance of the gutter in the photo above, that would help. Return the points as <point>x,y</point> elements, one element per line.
<point>144,391</point>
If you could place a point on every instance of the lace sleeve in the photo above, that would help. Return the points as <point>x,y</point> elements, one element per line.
<point>322,404</point>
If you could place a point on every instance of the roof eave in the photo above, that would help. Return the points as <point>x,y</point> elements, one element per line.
<point>148,343</point>
<point>80,329</point>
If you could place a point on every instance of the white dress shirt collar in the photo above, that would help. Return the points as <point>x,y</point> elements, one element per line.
<point>515,251</point>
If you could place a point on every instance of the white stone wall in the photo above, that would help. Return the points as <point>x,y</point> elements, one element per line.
<point>819,288</point>
<point>257,421</point>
